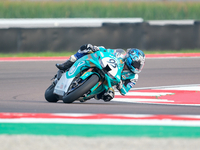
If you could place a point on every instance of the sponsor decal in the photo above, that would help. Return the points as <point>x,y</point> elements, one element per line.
<point>61,86</point>
<point>74,68</point>
<point>123,77</point>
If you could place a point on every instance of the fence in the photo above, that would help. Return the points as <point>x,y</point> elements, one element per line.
<point>152,35</point>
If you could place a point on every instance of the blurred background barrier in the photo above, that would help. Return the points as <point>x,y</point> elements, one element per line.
<point>64,25</point>
<point>16,36</point>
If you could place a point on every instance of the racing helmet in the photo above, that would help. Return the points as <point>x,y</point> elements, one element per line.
<point>135,60</point>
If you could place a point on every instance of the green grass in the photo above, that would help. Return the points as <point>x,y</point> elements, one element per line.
<point>53,54</point>
<point>97,9</point>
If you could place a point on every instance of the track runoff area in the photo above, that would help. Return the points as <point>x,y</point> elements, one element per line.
<point>123,125</point>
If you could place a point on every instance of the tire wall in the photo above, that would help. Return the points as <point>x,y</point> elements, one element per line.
<point>123,35</point>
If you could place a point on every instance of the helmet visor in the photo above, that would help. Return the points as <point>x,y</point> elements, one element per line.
<point>136,64</point>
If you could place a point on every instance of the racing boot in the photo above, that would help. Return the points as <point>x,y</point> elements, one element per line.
<point>99,96</point>
<point>63,67</point>
<point>66,65</point>
<point>109,95</point>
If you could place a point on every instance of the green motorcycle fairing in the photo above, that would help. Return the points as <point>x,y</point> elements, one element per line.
<point>105,59</point>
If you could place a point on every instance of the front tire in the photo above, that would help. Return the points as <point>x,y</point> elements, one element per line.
<point>84,88</point>
<point>49,96</point>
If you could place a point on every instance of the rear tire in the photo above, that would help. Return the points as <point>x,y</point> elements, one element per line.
<point>84,88</point>
<point>49,96</point>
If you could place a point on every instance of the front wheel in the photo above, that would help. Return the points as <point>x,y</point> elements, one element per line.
<point>82,89</point>
<point>49,96</point>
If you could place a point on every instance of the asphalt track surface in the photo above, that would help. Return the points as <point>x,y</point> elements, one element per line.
<point>22,87</point>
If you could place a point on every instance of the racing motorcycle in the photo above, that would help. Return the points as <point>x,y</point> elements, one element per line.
<point>90,75</point>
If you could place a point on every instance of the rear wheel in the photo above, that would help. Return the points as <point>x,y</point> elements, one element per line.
<point>81,90</point>
<point>49,96</point>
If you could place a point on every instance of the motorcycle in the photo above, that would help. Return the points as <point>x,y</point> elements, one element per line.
<point>90,75</point>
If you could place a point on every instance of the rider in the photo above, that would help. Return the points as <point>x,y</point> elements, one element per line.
<point>134,62</point>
